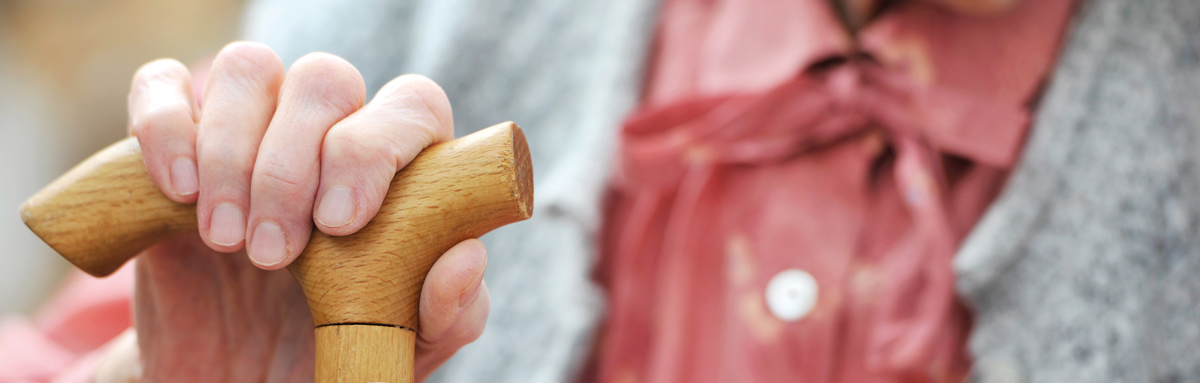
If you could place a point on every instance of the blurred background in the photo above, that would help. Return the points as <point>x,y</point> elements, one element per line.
<point>65,68</point>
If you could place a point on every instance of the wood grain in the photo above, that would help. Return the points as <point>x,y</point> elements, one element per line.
<point>364,354</point>
<point>106,210</point>
<point>473,185</point>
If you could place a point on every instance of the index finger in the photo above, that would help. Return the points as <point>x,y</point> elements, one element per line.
<point>162,115</point>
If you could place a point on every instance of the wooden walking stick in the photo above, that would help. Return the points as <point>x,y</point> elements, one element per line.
<point>362,289</point>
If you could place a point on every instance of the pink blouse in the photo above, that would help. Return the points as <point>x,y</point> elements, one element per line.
<point>790,196</point>
<point>773,148</point>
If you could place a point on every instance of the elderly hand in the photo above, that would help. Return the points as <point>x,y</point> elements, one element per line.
<point>266,155</point>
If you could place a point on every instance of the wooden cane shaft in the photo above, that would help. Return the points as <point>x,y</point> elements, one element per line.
<point>364,354</point>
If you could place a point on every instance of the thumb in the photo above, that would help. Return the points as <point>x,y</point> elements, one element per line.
<point>454,306</point>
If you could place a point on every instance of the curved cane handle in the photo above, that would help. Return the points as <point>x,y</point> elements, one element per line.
<point>363,289</point>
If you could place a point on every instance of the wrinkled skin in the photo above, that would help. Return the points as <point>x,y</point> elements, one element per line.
<point>266,156</point>
<point>214,317</point>
<point>205,316</point>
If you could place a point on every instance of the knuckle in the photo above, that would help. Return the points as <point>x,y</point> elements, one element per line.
<point>161,117</point>
<point>281,178</point>
<point>332,79</point>
<point>226,152</point>
<point>322,61</point>
<point>348,146</point>
<point>158,70</point>
<point>424,85</point>
<point>249,60</point>
<point>425,100</point>
<point>158,81</point>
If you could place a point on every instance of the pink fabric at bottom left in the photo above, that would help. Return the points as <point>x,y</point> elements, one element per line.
<point>65,339</point>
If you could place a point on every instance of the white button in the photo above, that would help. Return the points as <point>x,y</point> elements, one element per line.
<point>791,294</point>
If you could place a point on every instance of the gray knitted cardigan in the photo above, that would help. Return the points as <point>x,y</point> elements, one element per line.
<point>1086,269</point>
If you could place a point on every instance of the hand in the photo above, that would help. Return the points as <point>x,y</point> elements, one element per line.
<point>264,156</point>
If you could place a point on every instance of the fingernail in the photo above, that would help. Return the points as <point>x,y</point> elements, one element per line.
<point>183,177</point>
<point>228,226</point>
<point>268,245</point>
<point>336,208</point>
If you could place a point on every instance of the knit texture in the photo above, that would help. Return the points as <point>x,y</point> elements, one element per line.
<point>1087,268</point>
